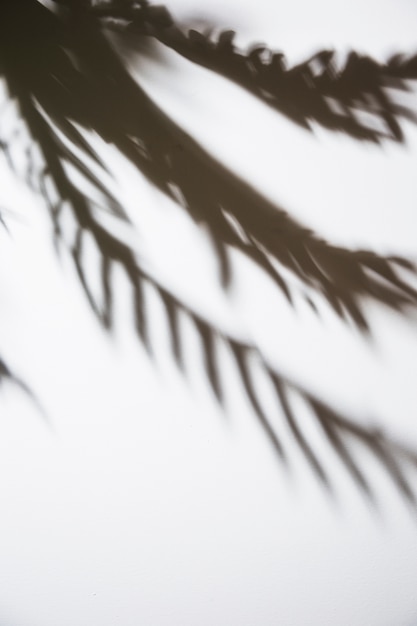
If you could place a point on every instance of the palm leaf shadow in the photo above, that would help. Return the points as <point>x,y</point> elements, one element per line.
<point>61,69</point>
<point>314,90</point>
<point>8,376</point>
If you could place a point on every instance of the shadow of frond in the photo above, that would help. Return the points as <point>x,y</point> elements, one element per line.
<point>7,375</point>
<point>316,90</point>
<point>65,75</point>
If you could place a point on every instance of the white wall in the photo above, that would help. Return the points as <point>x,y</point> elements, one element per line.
<point>141,502</point>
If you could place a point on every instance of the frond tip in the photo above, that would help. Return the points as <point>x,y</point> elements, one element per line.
<point>7,375</point>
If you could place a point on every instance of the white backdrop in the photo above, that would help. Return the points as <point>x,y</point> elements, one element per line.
<point>141,502</point>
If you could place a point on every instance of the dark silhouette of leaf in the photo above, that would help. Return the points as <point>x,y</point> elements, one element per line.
<point>209,350</point>
<point>387,452</point>
<point>240,353</point>
<point>107,314</point>
<point>65,75</point>
<point>174,328</point>
<point>315,90</point>
<point>171,158</point>
<point>297,432</point>
<point>140,314</point>
<point>326,419</point>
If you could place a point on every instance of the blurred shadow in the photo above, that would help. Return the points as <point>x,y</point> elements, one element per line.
<point>64,74</point>
<point>6,375</point>
<point>315,90</point>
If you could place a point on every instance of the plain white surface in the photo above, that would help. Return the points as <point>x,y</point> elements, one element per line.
<point>143,503</point>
